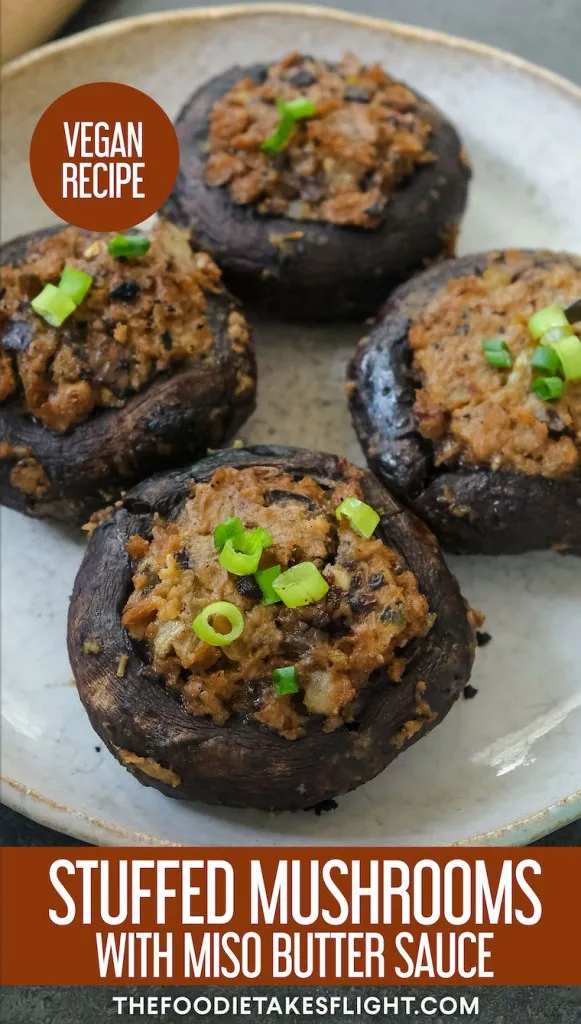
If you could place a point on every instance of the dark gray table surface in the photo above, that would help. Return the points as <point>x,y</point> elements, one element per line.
<point>545,31</point>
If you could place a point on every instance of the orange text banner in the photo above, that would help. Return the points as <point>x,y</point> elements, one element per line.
<point>291,916</point>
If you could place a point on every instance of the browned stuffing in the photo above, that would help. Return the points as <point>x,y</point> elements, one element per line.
<point>7,376</point>
<point>341,165</point>
<point>92,645</point>
<point>137,547</point>
<point>102,515</point>
<point>149,767</point>
<point>140,318</point>
<point>122,665</point>
<point>370,613</point>
<point>29,477</point>
<point>14,451</point>
<point>237,331</point>
<point>478,414</point>
<point>475,618</point>
<point>424,715</point>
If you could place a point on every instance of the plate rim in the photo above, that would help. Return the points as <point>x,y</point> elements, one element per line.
<point>123,26</point>
<point>78,823</point>
<point>50,813</point>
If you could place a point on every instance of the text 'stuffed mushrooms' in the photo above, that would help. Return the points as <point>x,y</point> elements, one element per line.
<point>266,629</point>
<point>120,355</point>
<point>466,398</point>
<point>317,186</point>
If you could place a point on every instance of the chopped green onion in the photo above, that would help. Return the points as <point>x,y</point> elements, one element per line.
<point>230,528</point>
<point>53,305</point>
<point>569,353</point>
<point>262,536</point>
<point>300,107</point>
<point>495,345</point>
<point>129,246</point>
<point>207,633</point>
<point>363,518</point>
<point>241,549</point>
<point>556,334</point>
<point>285,680</point>
<point>75,283</point>
<point>546,319</point>
<point>281,137</point>
<point>497,353</point>
<point>548,388</point>
<point>502,360</point>
<point>300,585</point>
<point>291,112</point>
<point>546,360</point>
<point>241,555</point>
<point>265,579</point>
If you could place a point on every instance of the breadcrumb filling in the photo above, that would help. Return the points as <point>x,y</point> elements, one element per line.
<point>475,413</point>
<point>341,165</point>
<point>141,317</point>
<point>371,612</point>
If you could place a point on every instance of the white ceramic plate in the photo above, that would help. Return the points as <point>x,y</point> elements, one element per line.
<point>502,768</point>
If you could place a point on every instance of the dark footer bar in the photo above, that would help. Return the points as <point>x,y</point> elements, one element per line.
<point>233,1005</point>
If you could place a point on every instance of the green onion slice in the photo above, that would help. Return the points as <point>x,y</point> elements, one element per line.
<point>363,518</point>
<point>546,360</point>
<point>497,353</point>
<point>265,578</point>
<point>299,108</point>
<point>556,334</point>
<point>129,246</point>
<point>75,283</point>
<point>291,112</point>
<point>502,360</point>
<point>241,555</point>
<point>206,632</point>
<point>546,319</point>
<point>262,536</point>
<point>53,305</point>
<point>548,388</point>
<point>569,353</point>
<point>495,345</point>
<point>285,680</point>
<point>300,585</point>
<point>229,529</point>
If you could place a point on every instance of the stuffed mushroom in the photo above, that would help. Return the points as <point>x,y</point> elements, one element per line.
<point>318,186</point>
<point>120,356</point>
<point>267,629</point>
<point>466,398</point>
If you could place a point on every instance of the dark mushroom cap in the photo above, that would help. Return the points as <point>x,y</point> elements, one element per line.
<point>329,271</point>
<point>471,510</point>
<point>176,417</point>
<point>244,763</point>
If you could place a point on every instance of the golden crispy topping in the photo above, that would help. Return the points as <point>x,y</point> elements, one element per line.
<point>373,607</point>
<point>140,318</point>
<point>341,165</point>
<point>476,413</point>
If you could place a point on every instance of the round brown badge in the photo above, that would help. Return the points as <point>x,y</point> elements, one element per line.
<point>104,156</point>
